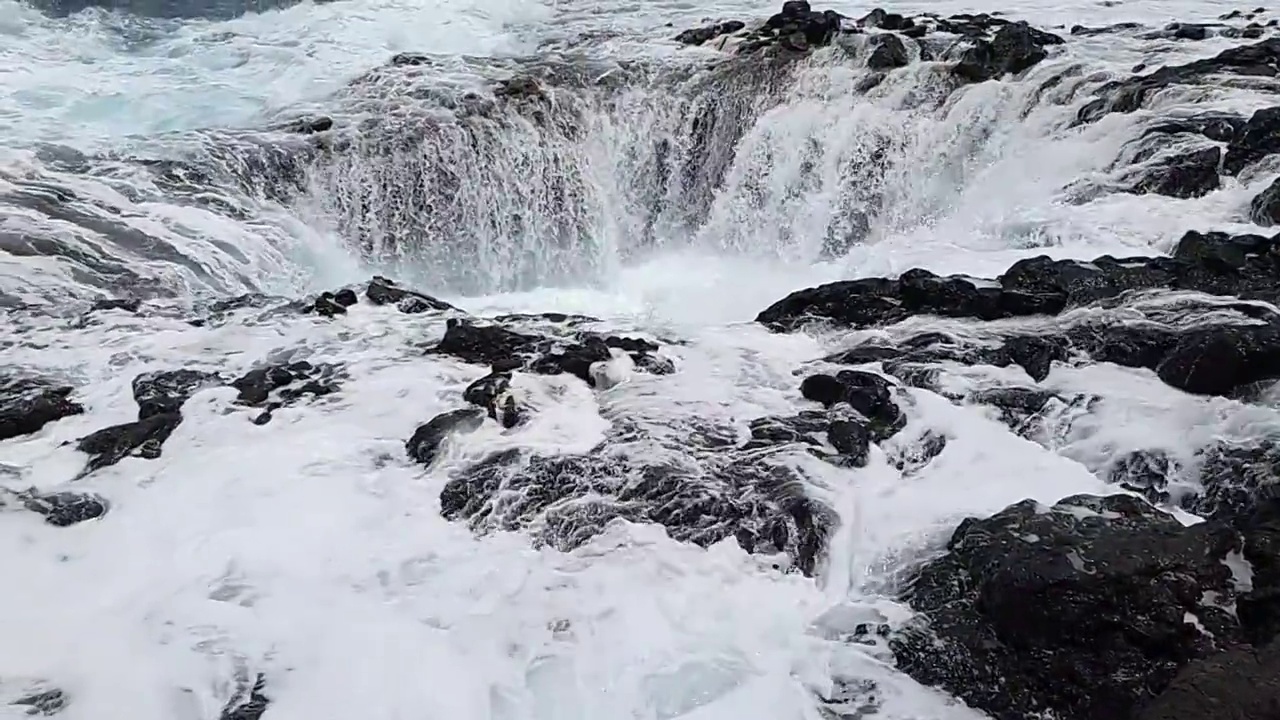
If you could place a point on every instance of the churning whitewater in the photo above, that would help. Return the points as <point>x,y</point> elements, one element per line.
<point>530,360</point>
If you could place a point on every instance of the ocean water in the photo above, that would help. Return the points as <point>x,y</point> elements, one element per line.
<point>311,550</point>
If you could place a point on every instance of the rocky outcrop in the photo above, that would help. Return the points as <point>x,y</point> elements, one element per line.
<point>1264,210</point>
<point>162,392</point>
<point>1014,48</point>
<point>1086,609</point>
<point>384,291</point>
<point>1187,175</point>
<point>29,403</point>
<point>1242,683</point>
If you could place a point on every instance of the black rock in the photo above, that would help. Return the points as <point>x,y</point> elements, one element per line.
<point>327,305</point>
<point>1218,360</point>
<point>383,291</point>
<point>493,393</point>
<point>887,52</point>
<point>851,439</point>
<point>27,404</point>
<point>1242,683</point>
<point>144,439</point>
<point>47,702</point>
<point>879,18</point>
<point>125,304</point>
<point>425,443</point>
<point>1265,208</point>
<point>1147,472</point>
<point>1259,137</point>
<point>273,386</point>
<point>1015,48</point>
<point>1079,611</point>
<point>914,457</point>
<point>165,391</point>
<point>800,29</point>
<point>571,498</point>
<point>249,704</point>
<point>1235,478</point>
<point>63,509</point>
<point>1184,176</point>
<point>698,36</point>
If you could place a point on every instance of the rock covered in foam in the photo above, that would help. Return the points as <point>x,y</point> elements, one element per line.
<point>426,440</point>
<point>1085,609</point>
<point>28,403</point>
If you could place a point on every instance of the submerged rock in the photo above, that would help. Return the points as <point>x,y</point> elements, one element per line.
<point>273,386</point>
<point>46,702</point>
<point>165,391</point>
<point>384,291</point>
<point>698,36</point>
<point>63,509</point>
<point>28,403</point>
<point>1189,175</point>
<point>249,704</point>
<point>426,440</point>
<point>144,438</point>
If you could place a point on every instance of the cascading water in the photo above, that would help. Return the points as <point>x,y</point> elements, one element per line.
<point>543,158</point>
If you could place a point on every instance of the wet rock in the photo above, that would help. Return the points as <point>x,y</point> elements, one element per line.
<point>27,404</point>
<point>887,52</point>
<point>1127,95</point>
<point>484,344</point>
<point>868,393</point>
<point>1216,361</point>
<point>1235,478</point>
<point>569,499</point>
<point>274,386</point>
<point>852,439</point>
<point>1147,472</point>
<point>1035,353</point>
<point>493,393</point>
<point>1083,610</point>
<point>1242,683</point>
<point>384,291</point>
<point>130,305</point>
<point>144,438</point>
<point>1264,210</point>
<point>805,427</point>
<point>46,702</point>
<point>63,509</point>
<point>249,704</point>
<point>165,391</point>
<point>913,457</point>
<point>308,125</point>
<point>426,440</point>
<point>1189,175</point>
<point>698,36</point>
<point>885,20</point>
<point>1259,137</point>
<point>1214,126</point>
<point>799,28</point>
<point>1016,47</point>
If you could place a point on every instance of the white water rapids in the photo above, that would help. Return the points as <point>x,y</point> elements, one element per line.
<point>313,551</point>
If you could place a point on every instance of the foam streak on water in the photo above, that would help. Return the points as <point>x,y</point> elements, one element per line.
<point>311,550</point>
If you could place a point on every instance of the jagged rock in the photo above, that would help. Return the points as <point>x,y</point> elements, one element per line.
<point>1084,610</point>
<point>165,391</point>
<point>383,291</point>
<point>27,404</point>
<point>126,304</point>
<point>1242,683</point>
<point>1130,94</point>
<point>887,52</point>
<point>329,304</point>
<point>274,386</point>
<point>144,438</point>
<point>885,20</point>
<point>1264,210</point>
<point>1235,478</point>
<point>46,702</point>
<point>493,393</point>
<point>570,498</point>
<point>1015,48</point>
<point>426,440</point>
<point>505,349</point>
<point>1188,175</point>
<point>798,28</point>
<point>249,703</point>
<point>1147,472</point>
<point>698,36</point>
<point>63,509</point>
<point>1260,135</point>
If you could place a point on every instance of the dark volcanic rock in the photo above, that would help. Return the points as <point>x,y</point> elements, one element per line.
<point>47,702</point>
<point>274,386</point>
<point>1259,137</point>
<point>1146,472</point>
<point>885,20</point>
<point>63,509</point>
<point>887,52</point>
<point>29,403</point>
<point>1218,360</point>
<point>1242,683</point>
<point>697,36</point>
<point>1015,48</point>
<point>165,391</point>
<point>425,443</point>
<point>126,304</point>
<point>1265,208</point>
<point>1084,610</point>
<point>249,704</point>
<point>1235,478</point>
<point>572,498</point>
<point>1184,176</point>
<point>504,350</point>
<point>144,439</point>
<point>493,393</point>
<point>383,291</point>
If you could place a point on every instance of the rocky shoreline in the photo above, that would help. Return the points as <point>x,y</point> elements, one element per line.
<point>1093,607</point>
